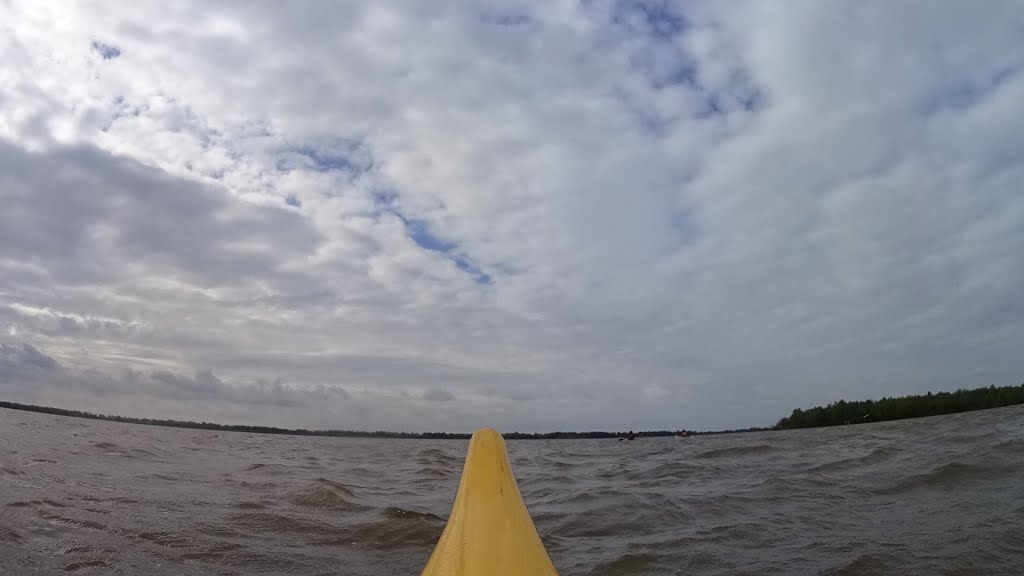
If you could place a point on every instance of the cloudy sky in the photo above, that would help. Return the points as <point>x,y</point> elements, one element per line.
<point>536,216</point>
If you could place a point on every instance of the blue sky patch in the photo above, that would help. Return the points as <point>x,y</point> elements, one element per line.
<point>327,160</point>
<point>107,51</point>
<point>293,200</point>
<point>420,233</point>
<point>752,100</point>
<point>507,19</point>
<point>684,73</point>
<point>655,18</point>
<point>384,198</point>
<point>712,106</point>
<point>468,267</point>
<point>337,155</point>
<point>967,93</point>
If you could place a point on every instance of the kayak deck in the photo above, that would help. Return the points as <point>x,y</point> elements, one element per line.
<point>489,531</point>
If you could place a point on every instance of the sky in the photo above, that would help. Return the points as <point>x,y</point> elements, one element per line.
<point>537,216</point>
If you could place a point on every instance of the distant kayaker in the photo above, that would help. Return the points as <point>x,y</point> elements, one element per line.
<point>630,436</point>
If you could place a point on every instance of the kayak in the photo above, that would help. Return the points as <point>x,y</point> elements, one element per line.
<point>489,531</point>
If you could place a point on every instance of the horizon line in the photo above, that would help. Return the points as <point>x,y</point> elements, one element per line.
<point>261,429</point>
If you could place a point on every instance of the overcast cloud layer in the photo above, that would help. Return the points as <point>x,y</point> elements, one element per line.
<point>535,216</point>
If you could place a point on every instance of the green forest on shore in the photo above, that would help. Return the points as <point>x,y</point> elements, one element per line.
<point>837,413</point>
<point>843,412</point>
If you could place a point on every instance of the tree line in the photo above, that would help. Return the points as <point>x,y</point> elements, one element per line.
<point>898,408</point>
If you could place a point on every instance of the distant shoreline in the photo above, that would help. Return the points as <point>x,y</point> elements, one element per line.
<point>350,433</point>
<point>835,414</point>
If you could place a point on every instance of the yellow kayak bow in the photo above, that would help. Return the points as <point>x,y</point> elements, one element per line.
<point>489,532</point>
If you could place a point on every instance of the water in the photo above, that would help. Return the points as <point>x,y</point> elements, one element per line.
<point>936,496</point>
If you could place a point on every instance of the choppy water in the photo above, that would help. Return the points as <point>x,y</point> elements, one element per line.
<point>934,496</point>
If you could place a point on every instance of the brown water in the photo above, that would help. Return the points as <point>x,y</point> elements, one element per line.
<point>933,496</point>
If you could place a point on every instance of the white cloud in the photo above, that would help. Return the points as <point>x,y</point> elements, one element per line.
<point>582,215</point>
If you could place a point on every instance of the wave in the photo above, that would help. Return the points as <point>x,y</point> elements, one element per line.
<point>583,526</point>
<point>24,504</point>
<point>876,456</point>
<point>864,564</point>
<point>949,475</point>
<point>110,446</point>
<point>253,561</point>
<point>1010,447</point>
<point>437,457</point>
<point>321,496</point>
<point>627,565</point>
<point>344,489</point>
<point>669,470</point>
<point>615,515</point>
<point>775,487</point>
<point>550,462</point>
<point>217,531</point>
<point>75,566</point>
<point>167,539</point>
<point>736,451</point>
<point>396,513</point>
<point>251,485</point>
<point>279,523</point>
<point>732,532</point>
<point>401,528</point>
<point>62,520</point>
<point>434,472</point>
<point>213,553</point>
